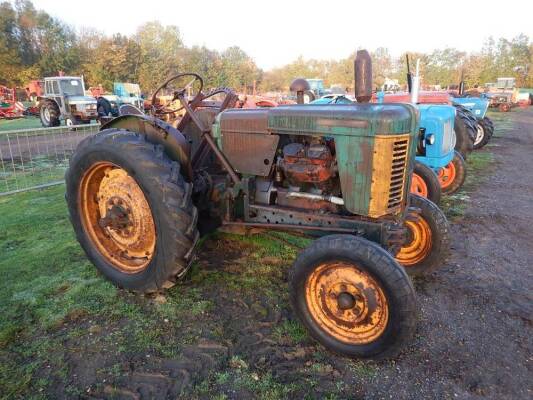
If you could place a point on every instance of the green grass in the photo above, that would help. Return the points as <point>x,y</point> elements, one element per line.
<point>20,123</point>
<point>50,294</point>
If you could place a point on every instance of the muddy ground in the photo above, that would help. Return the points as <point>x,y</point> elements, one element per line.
<point>237,338</point>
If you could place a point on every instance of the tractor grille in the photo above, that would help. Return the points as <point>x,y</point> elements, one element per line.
<point>397,180</point>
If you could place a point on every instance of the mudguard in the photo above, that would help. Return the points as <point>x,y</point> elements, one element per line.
<point>175,144</point>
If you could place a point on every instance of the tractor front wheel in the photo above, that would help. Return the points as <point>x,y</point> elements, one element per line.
<point>452,176</point>
<point>425,183</point>
<point>131,210</point>
<point>427,239</point>
<point>353,297</point>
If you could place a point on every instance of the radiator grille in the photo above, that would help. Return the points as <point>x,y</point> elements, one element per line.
<point>398,167</point>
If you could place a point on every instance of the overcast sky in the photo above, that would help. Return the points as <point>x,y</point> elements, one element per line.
<point>275,32</point>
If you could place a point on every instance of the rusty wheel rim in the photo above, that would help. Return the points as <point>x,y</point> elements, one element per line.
<point>418,244</point>
<point>447,175</point>
<point>418,186</point>
<point>117,217</point>
<point>347,303</point>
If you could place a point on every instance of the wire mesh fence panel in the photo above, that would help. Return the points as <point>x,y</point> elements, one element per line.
<point>36,158</point>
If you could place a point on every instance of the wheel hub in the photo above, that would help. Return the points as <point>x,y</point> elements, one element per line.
<point>418,242</point>
<point>479,134</point>
<point>447,175</point>
<point>117,217</point>
<point>346,302</point>
<point>418,185</point>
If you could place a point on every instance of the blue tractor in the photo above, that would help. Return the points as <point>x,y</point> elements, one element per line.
<point>475,109</point>
<point>123,93</point>
<point>436,152</point>
<point>438,168</point>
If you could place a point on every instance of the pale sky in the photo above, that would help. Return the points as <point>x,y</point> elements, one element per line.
<point>276,32</point>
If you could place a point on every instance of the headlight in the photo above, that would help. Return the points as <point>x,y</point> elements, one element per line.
<point>430,139</point>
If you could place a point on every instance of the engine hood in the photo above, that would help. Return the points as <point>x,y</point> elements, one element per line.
<point>81,100</point>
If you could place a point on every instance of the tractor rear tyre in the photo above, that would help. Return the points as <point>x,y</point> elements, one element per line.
<point>452,176</point>
<point>131,210</point>
<point>425,183</point>
<point>427,240</point>
<point>463,142</point>
<point>484,133</point>
<point>353,297</point>
<point>49,114</point>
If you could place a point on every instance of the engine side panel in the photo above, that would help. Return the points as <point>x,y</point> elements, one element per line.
<point>248,153</point>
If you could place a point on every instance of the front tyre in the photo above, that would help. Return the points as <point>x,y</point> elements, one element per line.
<point>453,176</point>
<point>484,133</point>
<point>425,183</point>
<point>353,297</point>
<point>427,240</point>
<point>131,210</point>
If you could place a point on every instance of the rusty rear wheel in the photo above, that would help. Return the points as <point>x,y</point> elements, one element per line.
<point>452,176</point>
<point>131,210</point>
<point>353,297</point>
<point>426,242</point>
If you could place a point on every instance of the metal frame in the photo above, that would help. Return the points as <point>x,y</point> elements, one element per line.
<point>37,158</point>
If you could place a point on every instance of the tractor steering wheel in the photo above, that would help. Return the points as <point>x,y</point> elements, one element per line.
<point>178,94</point>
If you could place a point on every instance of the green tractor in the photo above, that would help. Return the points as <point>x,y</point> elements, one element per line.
<point>141,193</point>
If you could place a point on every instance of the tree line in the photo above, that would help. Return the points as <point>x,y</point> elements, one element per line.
<point>34,44</point>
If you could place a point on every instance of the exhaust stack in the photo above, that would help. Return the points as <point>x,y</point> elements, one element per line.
<point>300,86</point>
<point>462,83</point>
<point>409,75</point>
<point>415,84</point>
<point>363,76</point>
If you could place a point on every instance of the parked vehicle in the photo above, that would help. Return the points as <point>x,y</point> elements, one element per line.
<point>34,89</point>
<point>437,147</point>
<point>141,193</point>
<point>10,108</point>
<point>123,93</point>
<point>64,99</point>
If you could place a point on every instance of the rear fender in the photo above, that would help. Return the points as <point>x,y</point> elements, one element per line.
<point>174,143</point>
